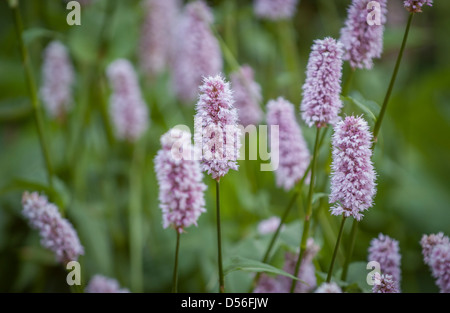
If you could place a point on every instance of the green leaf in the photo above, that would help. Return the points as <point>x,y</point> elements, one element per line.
<point>238,263</point>
<point>318,196</point>
<point>35,33</point>
<point>369,108</point>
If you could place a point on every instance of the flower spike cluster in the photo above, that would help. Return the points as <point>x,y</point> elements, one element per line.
<point>58,77</point>
<point>157,33</point>
<point>217,134</point>
<point>436,253</point>
<point>129,112</point>
<point>329,288</point>
<point>353,175</point>
<point>181,190</point>
<point>363,42</point>
<point>294,155</point>
<point>57,233</point>
<point>197,51</point>
<point>321,102</point>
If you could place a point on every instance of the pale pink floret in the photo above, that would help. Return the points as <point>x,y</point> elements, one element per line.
<point>247,94</point>
<point>363,42</point>
<point>181,190</point>
<point>294,155</point>
<point>415,6</point>
<point>157,35</point>
<point>197,52</point>
<point>57,233</point>
<point>58,78</point>
<point>217,134</point>
<point>275,9</point>
<point>321,102</point>
<point>353,175</point>
<point>128,111</point>
<point>102,284</point>
<point>428,242</point>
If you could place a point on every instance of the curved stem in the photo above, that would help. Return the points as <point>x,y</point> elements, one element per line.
<point>175,268</point>
<point>391,84</point>
<point>308,211</point>
<point>32,91</point>
<point>336,248</point>
<point>350,250</point>
<point>219,240</point>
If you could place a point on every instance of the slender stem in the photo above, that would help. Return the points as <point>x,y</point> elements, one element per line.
<point>348,82</point>
<point>336,248</point>
<point>219,240</point>
<point>32,91</point>
<point>391,84</point>
<point>175,268</point>
<point>135,217</point>
<point>308,210</point>
<point>350,250</point>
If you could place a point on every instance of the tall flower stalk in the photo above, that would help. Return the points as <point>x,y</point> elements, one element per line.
<point>320,106</point>
<point>32,91</point>
<point>413,7</point>
<point>353,175</point>
<point>181,190</point>
<point>217,136</point>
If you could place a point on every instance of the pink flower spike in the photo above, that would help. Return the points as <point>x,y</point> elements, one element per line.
<point>294,155</point>
<point>157,32</point>
<point>57,233</point>
<point>363,42</point>
<point>386,251</point>
<point>353,175</point>
<point>58,78</point>
<point>129,112</point>
<point>196,51</point>
<point>181,190</point>
<point>321,102</point>
<point>217,134</point>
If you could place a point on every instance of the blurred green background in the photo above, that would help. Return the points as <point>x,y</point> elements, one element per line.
<point>108,189</point>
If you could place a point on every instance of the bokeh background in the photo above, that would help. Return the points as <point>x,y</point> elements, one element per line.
<point>109,191</point>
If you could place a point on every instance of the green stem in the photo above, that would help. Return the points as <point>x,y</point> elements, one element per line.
<point>175,268</point>
<point>32,91</point>
<point>219,240</point>
<point>336,248</point>
<point>135,217</point>
<point>350,250</point>
<point>391,84</point>
<point>308,211</point>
